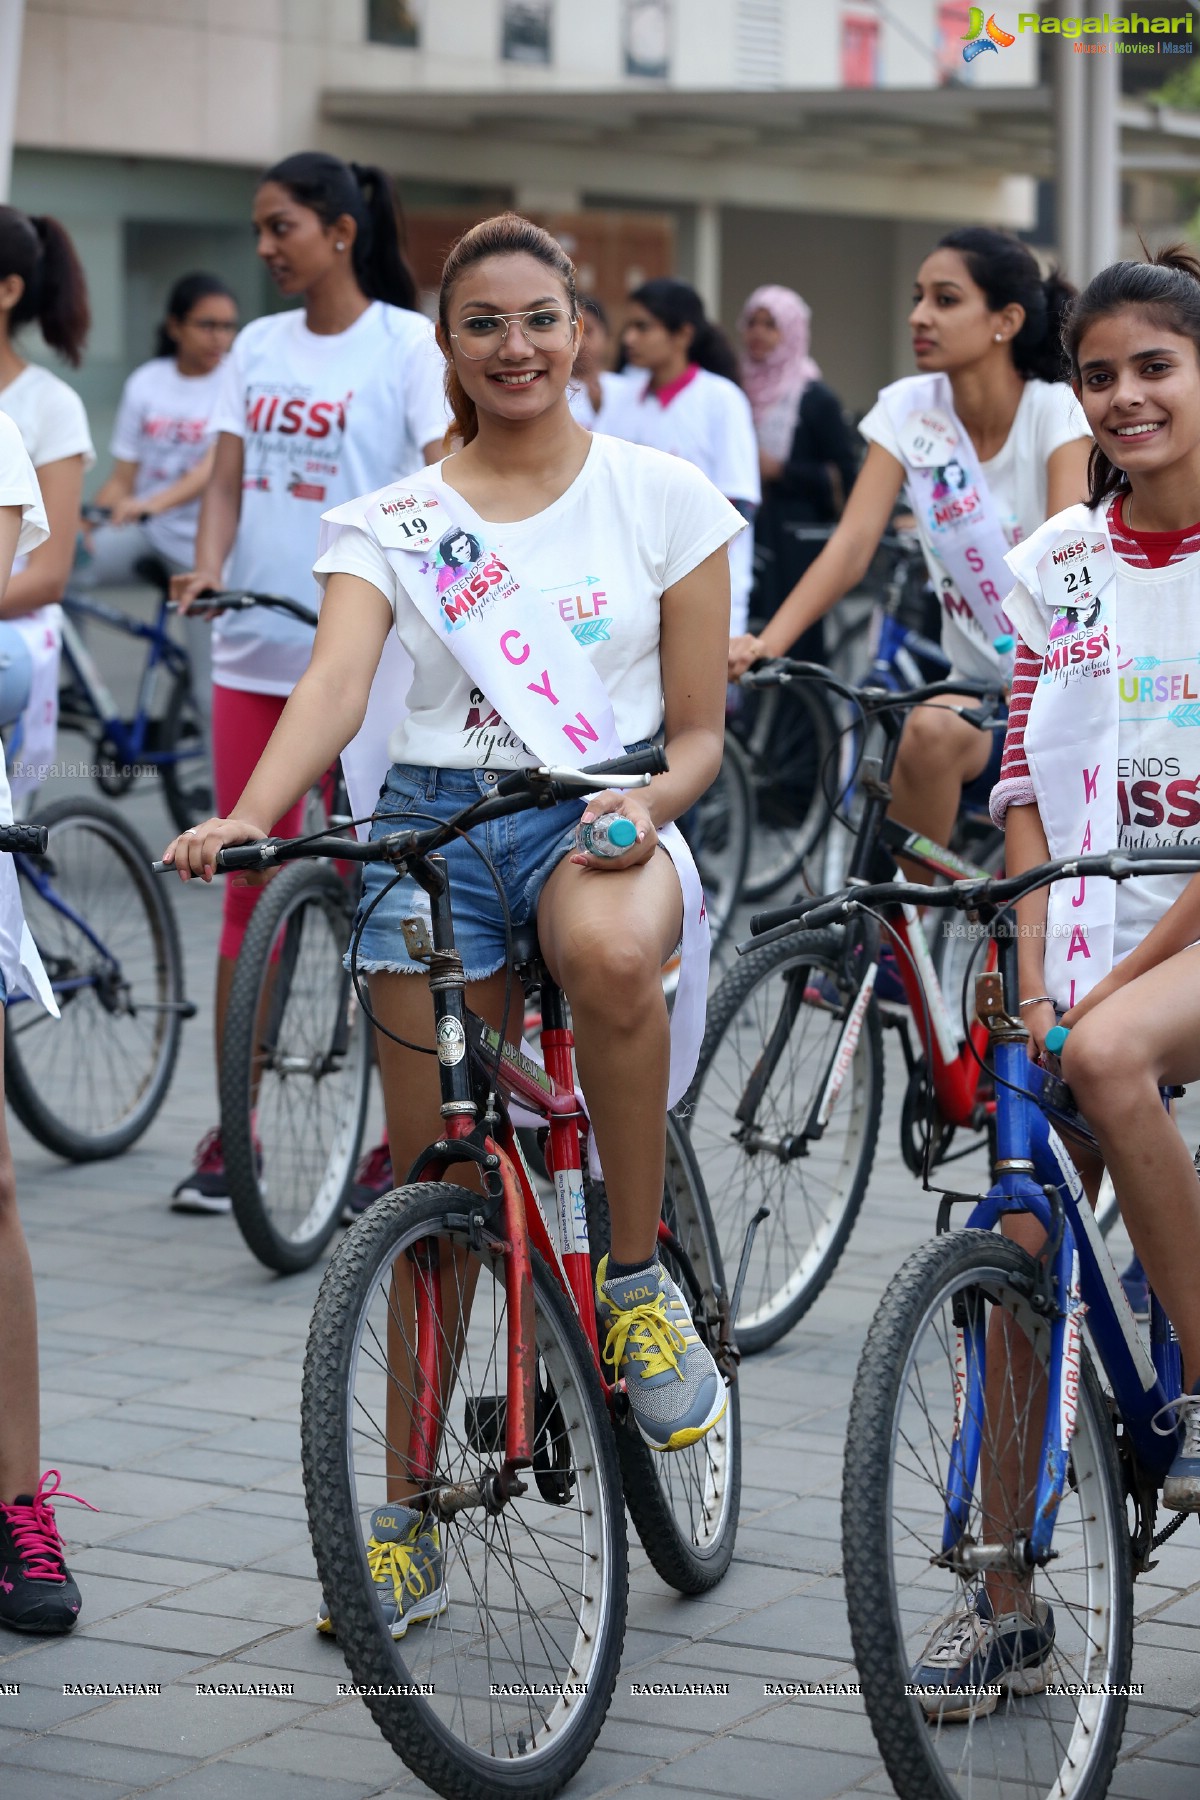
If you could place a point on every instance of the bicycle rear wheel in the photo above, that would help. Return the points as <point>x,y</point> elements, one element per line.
<point>522,1662</point>
<point>790,734</point>
<point>719,831</point>
<point>772,1028</point>
<point>684,1503</point>
<point>88,1085</point>
<point>912,1393</point>
<point>295,1069</point>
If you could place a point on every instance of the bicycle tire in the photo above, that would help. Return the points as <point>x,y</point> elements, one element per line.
<point>719,830</point>
<point>790,735</point>
<point>187,785</point>
<point>889,1591</point>
<point>341,1443</point>
<point>290,1155</point>
<point>87,1086</point>
<point>815,1198</point>
<point>684,1503</point>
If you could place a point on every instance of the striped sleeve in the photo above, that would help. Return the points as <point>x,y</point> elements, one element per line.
<point>1015,786</point>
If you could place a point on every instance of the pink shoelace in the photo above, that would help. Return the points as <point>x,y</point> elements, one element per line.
<point>35,1535</point>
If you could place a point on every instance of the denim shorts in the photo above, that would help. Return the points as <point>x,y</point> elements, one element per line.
<point>977,793</point>
<point>525,848</point>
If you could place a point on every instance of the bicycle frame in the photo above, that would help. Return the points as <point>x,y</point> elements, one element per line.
<point>132,739</point>
<point>1034,1174</point>
<point>32,871</point>
<point>470,1055</point>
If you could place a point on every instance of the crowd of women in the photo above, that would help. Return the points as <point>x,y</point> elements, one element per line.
<point>1037,417</point>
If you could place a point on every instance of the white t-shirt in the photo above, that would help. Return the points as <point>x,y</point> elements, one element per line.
<point>1048,416</point>
<point>162,425</point>
<point>596,418</point>
<point>322,418</point>
<point>708,422</point>
<point>49,415</point>
<point>18,487</point>
<point>630,525</point>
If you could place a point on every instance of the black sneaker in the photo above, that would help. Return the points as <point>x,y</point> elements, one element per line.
<point>972,1655</point>
<point>373,1179</point>
<point>37,1590</point>
<point>205,1188</point>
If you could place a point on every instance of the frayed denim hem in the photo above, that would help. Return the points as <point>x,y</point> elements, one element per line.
<point>391,968</point>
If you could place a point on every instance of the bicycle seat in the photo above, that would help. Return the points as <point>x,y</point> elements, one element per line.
<point>527,953</point>
<point>154,572</point>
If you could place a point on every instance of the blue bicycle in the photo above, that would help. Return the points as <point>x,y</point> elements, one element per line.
<point>170,736</point>
<point>1002,1471</point>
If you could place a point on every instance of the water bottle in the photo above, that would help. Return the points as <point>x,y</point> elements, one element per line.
<point>609,835</point>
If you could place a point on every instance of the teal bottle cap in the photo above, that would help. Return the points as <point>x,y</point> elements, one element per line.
<point>1056,1037</point>
<point>623,833</point>
<point>1004,646</point>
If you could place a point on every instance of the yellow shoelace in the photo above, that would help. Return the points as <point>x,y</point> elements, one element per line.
<point>391,1561</point>
<point>657,1343</point>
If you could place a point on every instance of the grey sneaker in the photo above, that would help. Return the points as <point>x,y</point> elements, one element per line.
<point>1181,1489</point>
<point>404,1553</point>
<point>675,1390</point>
<point>972,1655</point>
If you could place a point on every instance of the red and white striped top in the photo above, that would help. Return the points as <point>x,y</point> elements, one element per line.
<point>1142,550</point>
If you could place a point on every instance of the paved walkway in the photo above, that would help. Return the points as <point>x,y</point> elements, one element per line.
<point>171,1376</point>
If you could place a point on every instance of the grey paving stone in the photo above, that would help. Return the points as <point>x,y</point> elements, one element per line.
<point>98,1656</point>
<point>42,1708</point>
<point>322,1754</point>
<point>764,1771</point>
<point>229,1781</point>
<point>41,1784</point>
<point>105,1762</point>
<point>199,1635</point>
<point>276,1599</point>
<point>193,1725</point>
<point>102,1559</point>
<point>228,1539</point>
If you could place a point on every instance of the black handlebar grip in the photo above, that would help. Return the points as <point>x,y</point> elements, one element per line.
<point>776,915</point>
<point>650,761</point>
<point>31,839</point>
<point>246,856</point>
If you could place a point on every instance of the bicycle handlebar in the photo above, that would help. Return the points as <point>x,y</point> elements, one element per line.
<point>213,600</point>
<point>520,790</point>
<point>777,671</point>
<point>29,840</point>
<point>984,896</point>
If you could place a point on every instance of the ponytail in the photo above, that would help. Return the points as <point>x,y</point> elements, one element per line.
<point>55,296</point>
<point>1165,289</point>
<point>675,304</point>
<point>187,292</point>
<point>334,189</point>
<point>1007,272</point>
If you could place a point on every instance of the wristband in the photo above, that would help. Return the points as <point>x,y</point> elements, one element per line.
<point>1035,1001</point>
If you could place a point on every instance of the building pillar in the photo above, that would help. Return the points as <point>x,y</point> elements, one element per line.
<point>1088,188</point>
<point>706,272</point>
<point>12,19</point>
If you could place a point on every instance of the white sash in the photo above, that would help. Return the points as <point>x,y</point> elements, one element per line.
<point>534,672</point>
<point>1069,615</point>
<point>950,495</point>
<point>42,632</point>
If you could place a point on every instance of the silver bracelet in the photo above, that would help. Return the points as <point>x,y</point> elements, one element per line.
<point>1035,1001</point>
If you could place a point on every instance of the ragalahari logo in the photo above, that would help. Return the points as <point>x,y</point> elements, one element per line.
<point>979,37</point>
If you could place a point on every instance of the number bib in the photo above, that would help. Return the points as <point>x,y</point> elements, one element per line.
<point>927,438</point>
<point>408,521</point>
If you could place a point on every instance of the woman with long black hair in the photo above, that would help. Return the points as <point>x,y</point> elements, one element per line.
<point>319,404</point>
<point>688,403</point>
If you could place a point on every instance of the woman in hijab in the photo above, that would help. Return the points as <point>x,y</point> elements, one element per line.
<point>806,449</point>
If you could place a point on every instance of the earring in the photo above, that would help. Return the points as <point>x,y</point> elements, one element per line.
<point>339,246</point>
<point>999,334</point>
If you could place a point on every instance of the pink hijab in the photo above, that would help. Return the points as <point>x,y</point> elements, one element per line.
<point>787,371</point>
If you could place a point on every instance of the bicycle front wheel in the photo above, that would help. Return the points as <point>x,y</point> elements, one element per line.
<point>295,1069</point>
<point>1056,1727</point>
<point>88,1085</point>
<point>684,1503</point>
<point>187,781</point>
<point>790,735</point>
<point>514,1674</point>
<point>773,1026</point>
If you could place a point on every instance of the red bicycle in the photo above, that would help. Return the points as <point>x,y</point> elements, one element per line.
<point>786,1102</point>
<point>454,1375</point>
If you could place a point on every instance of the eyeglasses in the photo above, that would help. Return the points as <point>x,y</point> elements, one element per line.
<point>545,328</point>
<point>222,325</point>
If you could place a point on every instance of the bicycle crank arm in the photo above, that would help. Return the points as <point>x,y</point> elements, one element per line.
<point>744,1265</point>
